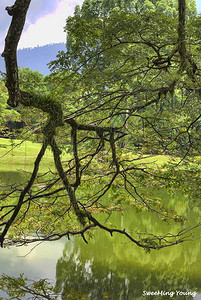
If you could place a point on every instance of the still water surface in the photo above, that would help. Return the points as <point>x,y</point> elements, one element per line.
<point>113,268</point>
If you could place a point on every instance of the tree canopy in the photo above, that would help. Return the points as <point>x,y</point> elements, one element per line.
<point>103,8</point>
<point>128,87</point>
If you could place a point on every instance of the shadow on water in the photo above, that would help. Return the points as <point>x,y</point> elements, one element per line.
<point>13,177</point>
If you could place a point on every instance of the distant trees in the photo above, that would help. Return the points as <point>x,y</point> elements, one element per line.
<point>7,115</point>
<point>13,120</point>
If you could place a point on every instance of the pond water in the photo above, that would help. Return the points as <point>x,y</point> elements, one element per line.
<point>111,267</point>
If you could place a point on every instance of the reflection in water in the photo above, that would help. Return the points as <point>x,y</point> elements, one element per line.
<point>96,271</point>
<point>35,260</point>
<point>112,268</point>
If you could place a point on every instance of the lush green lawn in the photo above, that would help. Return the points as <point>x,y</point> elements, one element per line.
<point>151,160</point>
<point>15,155</point>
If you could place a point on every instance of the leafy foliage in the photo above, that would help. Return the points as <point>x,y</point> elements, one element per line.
<point>127,88</point>
<point>21,287</point>
<point>6,113</point>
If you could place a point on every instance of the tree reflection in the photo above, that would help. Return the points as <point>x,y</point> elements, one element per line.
<point>112,268</point>
<point>100,270</point>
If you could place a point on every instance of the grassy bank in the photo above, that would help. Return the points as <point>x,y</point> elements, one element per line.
<point>15,155</point>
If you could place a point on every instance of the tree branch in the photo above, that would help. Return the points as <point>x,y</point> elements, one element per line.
<point>182,33</point>
<point>18,12</point>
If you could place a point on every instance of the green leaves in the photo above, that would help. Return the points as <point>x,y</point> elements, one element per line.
<point>21,287</point>
<point>123,94</point>
<point>5,113</point>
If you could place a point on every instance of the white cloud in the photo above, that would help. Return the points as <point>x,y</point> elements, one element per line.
<point>49,29</point>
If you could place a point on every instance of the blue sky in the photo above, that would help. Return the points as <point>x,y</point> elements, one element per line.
<point>198,2</point>
<point>45,21</point>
